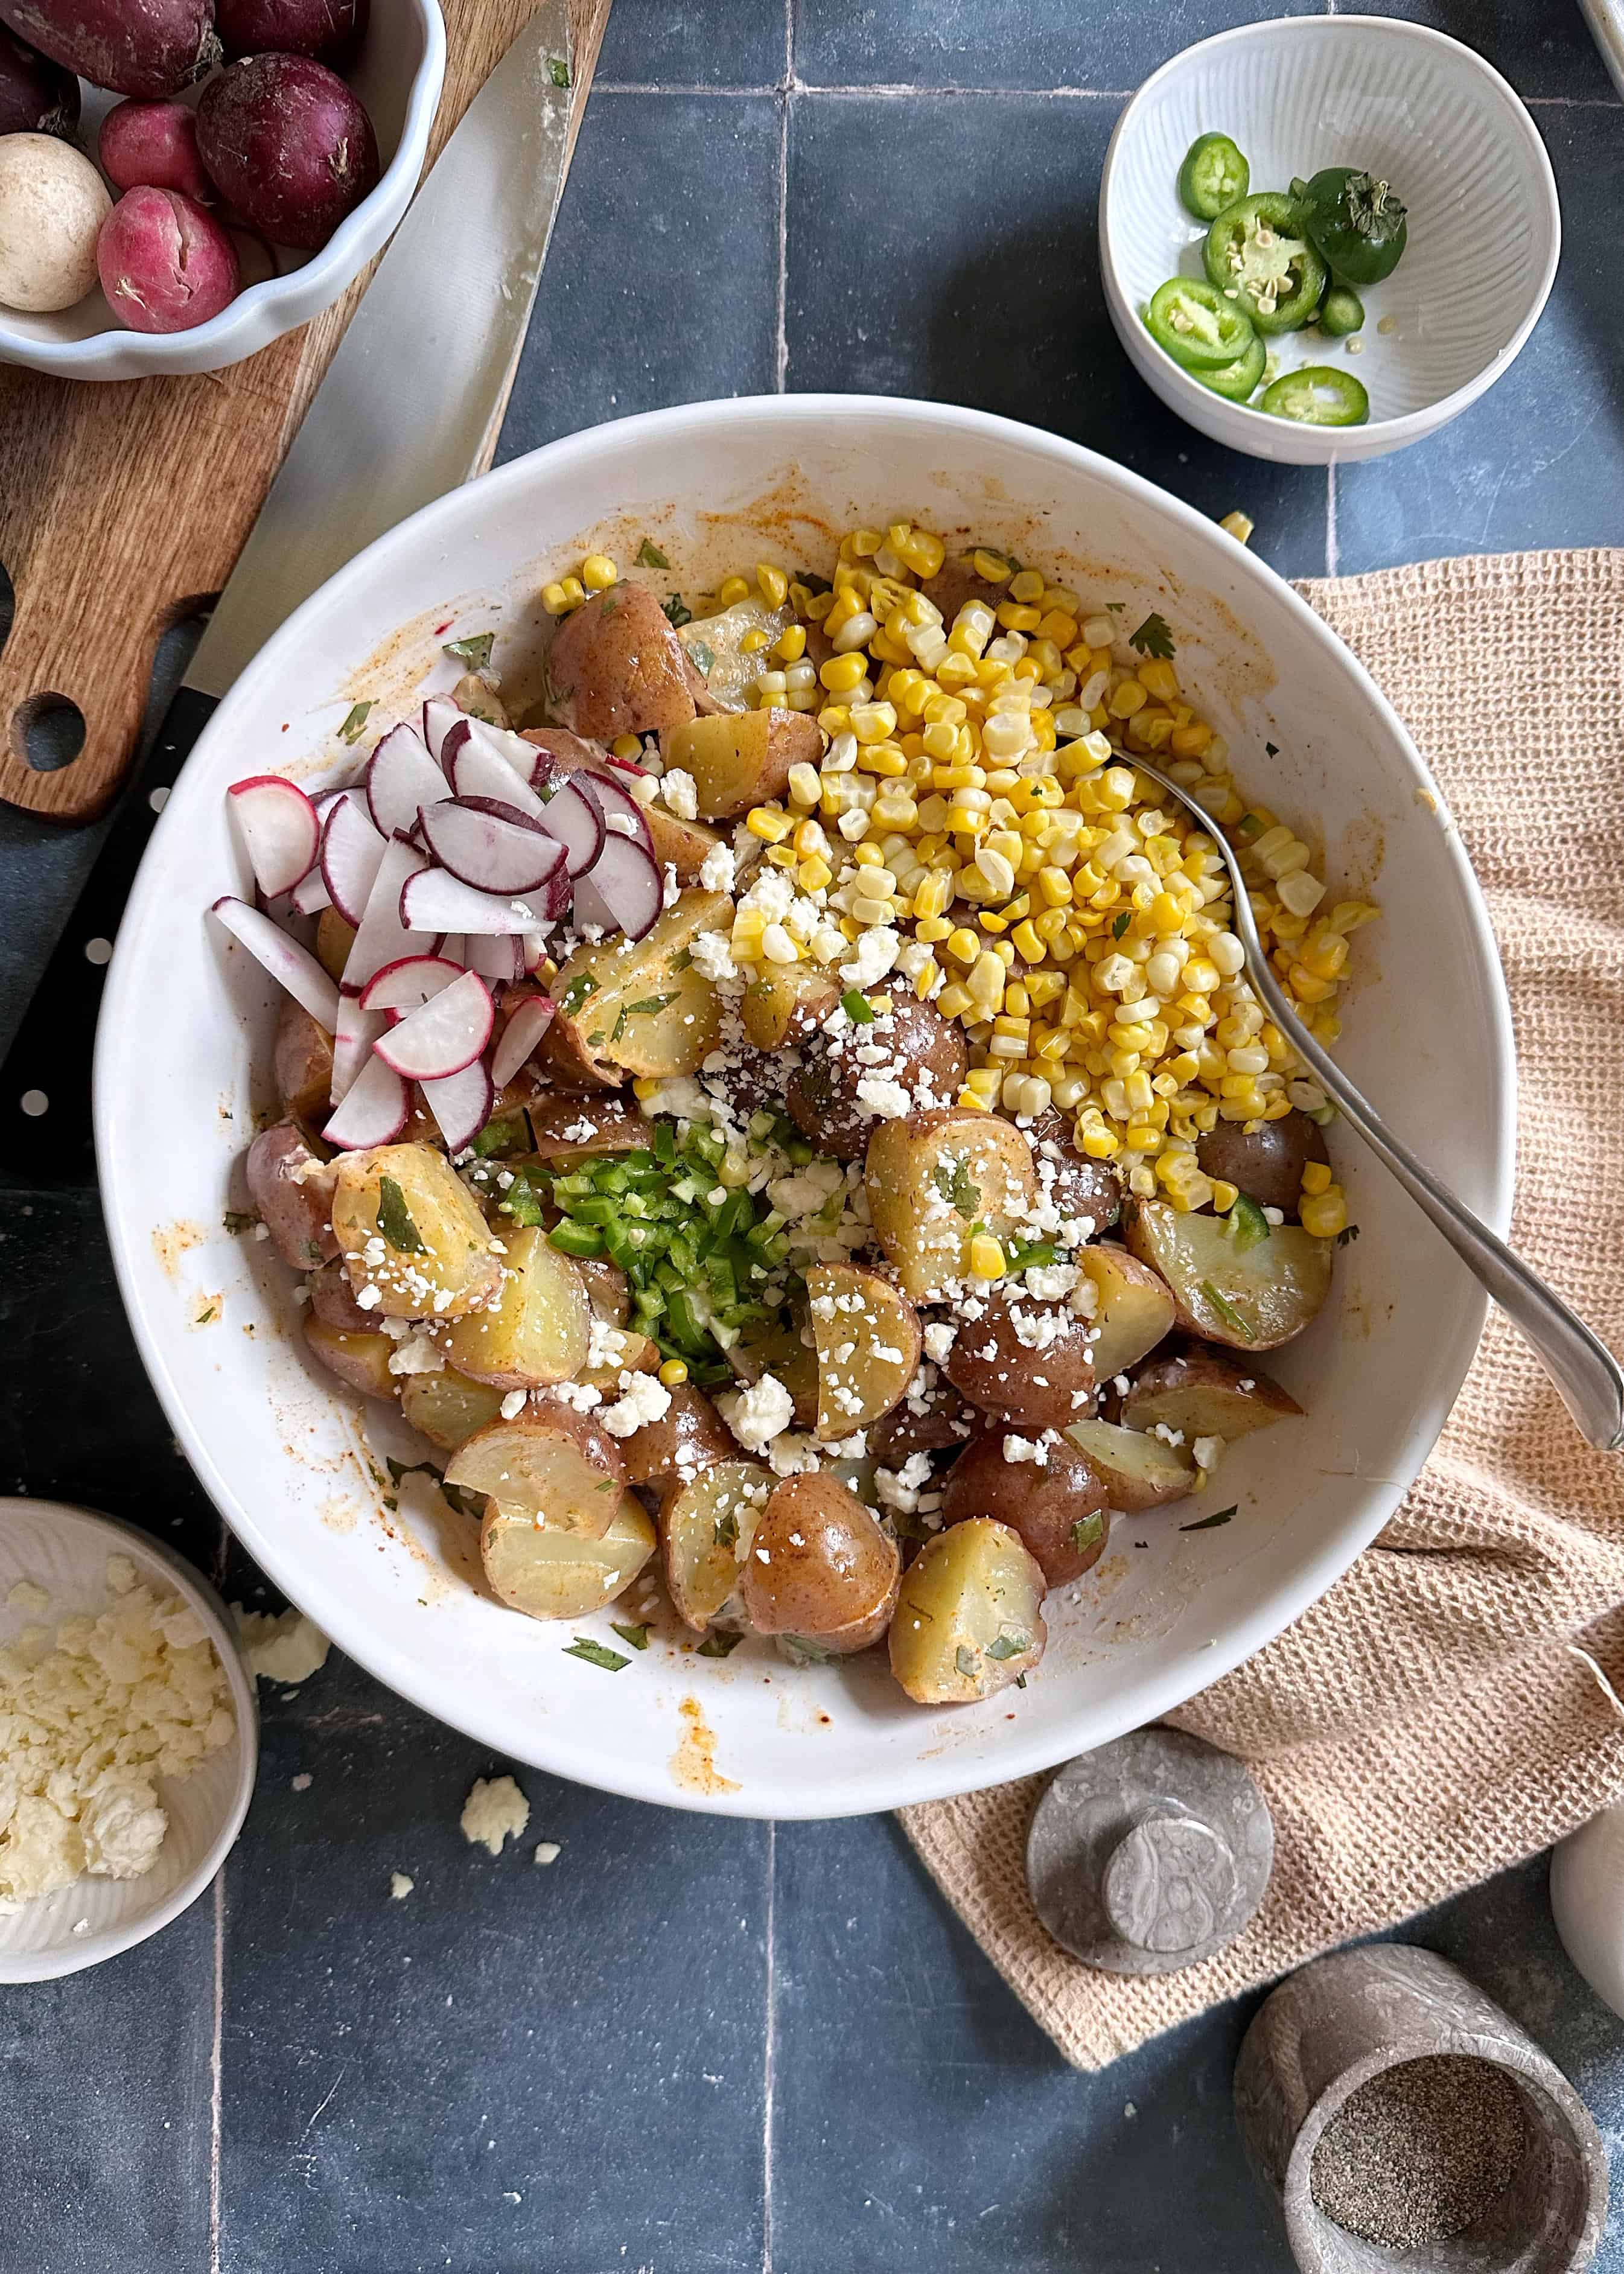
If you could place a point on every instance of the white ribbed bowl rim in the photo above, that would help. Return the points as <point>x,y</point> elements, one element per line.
<point>1208,411</point>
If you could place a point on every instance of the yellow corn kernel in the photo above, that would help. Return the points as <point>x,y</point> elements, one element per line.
<point>1224,1195</point>
<point>980,1087</point>
<point>933,932</point>
<point>1027,585</point>
<point>1028,944</point>
<point>791,643</point>
<point>986,981</point>
<point>1159,678</point>
<point>1014,618</point>
<point>1131,695</point>
<point>964,946</point>
<point>1325,1213</point>
<point>731,590</point>
<point>1189,742</point>
<point>1098,1142</point>
<point>773,583</point>
<point>553,599</point>
<point>772,826</point>
<point>781,857</point>
<point>814,875</point>
<point>991,568</point>
<point>1239,526</point>
<point>753,642</point>
<point>1316,1178</point>
<point>626,746</point>
<point>954,1001</point>
<point>842,672</point>
<point>673,1373</point>
<point>599,572</point>
<point>986,1257</point>
<point>574,592</point>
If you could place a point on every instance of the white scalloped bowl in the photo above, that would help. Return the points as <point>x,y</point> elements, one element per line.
<point>183,1059</point>
<point>65,1551</point>
<point>1414,107</point>
<point>398,76</point>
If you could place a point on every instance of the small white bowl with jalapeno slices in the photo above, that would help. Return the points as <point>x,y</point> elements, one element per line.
<point>1324,238</point>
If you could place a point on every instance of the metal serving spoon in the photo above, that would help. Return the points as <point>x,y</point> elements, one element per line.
<point>1586,1374</point>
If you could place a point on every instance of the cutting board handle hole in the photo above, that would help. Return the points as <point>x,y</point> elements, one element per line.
<point>48,733</point>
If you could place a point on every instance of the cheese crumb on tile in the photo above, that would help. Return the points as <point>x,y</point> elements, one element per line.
<point>87,1718</point>
<point>280,1647</point>
<point>547,1851</point>
<point>400,1885</point>
<point>494,1811</point>
<point>302,1782</point>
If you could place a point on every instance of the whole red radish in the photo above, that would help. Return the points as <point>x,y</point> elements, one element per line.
<point>36,96</point>
<point>153,146</point>
<point>330,30</point>
<point>150,47</point>
<point>289,146</point>
<point>166,266</point>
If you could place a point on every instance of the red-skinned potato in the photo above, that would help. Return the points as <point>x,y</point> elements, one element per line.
<point>330,30</point>
<point>1059,1506</point>
<point>739,759</point>
<point>908,1044</point>
<point>1136,1472</point>
<point>941,1419</point>
<point>1206,1393</point>
<point>153,146</point>
<point>37,96</point>
<point>617,667</point>
<point>573,1128</point>
<point>289,146</point>
<point>690,1435</point>
<point>165,264</point>
<point>1267,1162</point>
<point>304,1066</point>
<point>362,1361</point>
<point>819,1566</point>
<point>969,1618</point>
<point>1041,1383</point>
<point>294,1195</point>
<point>553,1464</point>
<point>154,49</point>
<point>332,1300</point>
<point>1077,1186</point>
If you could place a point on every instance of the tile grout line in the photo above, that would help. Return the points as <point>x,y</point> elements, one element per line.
<point>781,370</point>
<point>215,2069</point>
<point>883,93</point>
<point>1333,548</point>
<point>769,2048</point>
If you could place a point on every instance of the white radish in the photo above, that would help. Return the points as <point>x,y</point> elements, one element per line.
<point>353,1038</point>
<point>461,1103</point>
<point>409,982</point>
<point>577,821</point>
<point>434,901</point>
<point>491,845</point>
<point>279,829</point>
<point>311,895</point>
<point>529,1023</point>
<point>351,850</point>
<point>475,770</point>
<point>382,936</point>
<point>621,810</point>
<point>401,779</point>
<point>499,956</point>
<point>374,1111</point>
<point>292,966</point>
<point>533,948</point>
<point>440,715</point>
<point>624,890</point>
<point>442,1035</point>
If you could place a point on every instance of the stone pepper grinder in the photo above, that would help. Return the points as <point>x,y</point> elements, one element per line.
<point>1343,2020</point>
<point>1150,1854</point>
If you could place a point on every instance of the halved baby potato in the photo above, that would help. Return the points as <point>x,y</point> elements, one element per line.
<point>869,1343</point>
<point>820,1568</point>
<point>787,1001</point>
<point>739,759</point>
<point>1025,1360</point>
<point>560,1575</point>
<point>969,1619</point>
<point>933,1176</point>
<point>622,1351</point>
<point>446,1407</point>
<point>641,1007</point>
<point>1059,1506</point>
<point>334,939</point>
<point>566,1128</point>
<point>361,1361</point>
<point>408,1225</point>
<point>707,1528</point>
<point>689,1435</point>
<point>1135,1308</point>
<point>550,1463</point>
<point>1206,1393</point>
<point>776,1346</point>
<point>1136,1472</point>
<point>1249,1297</point>
<point>536,1330</point>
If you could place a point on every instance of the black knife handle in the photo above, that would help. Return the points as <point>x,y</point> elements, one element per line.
<point>45,1128</point>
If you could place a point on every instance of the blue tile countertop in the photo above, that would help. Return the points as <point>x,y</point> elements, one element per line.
<point>692,2045</point>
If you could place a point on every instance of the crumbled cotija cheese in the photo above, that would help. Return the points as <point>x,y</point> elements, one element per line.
<point>87,1720</point>
<point>494,1810</point>
<point>280,1647</point>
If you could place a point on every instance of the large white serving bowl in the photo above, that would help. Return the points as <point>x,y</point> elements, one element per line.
<point>1408,103</point>
<point>183,1050</point>
<point>398,76</point>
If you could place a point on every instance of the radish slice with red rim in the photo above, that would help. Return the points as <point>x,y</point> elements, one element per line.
<point>461,1103</point>
<point>382,937</point>
<point>491,845</point>
<point>529,1023</point>
<point>475,770</point>
<point>499,956</point>
<point>401,779</point>
<point>435,901</point>
<point>351,850</point>
<point>577,821</point>
<point>353,1038</point>
<point>311,895</point>
<point>373,1111</point>
<point>624,891</point>
<point>292,966</point>
<point>441,715</point>
<point>280,831</point>
<point>409,982</point>
<point>442,1035</point>
<point>621,810</point>
<point>533,949</point>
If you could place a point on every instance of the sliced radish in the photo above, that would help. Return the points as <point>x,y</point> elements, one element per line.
<point>529,1023</point>
<point>311,895</point>
<point>409,982</point>
<point>292,966</point>
<point>375,1108</point>
<point>435,901</point>
<point>576,819</point>
<point>500,956</point>
<point>351,850</point>
<point>280,831</point>
<point>491,845</point>
<point>475,770</point>
<point>461,1103</point>
<point>533,948</point>
<point>382,937</point>
<point>454,947</point>
<point>353,1038</point>
<point>621,810</point>
<point>624,891</point>
<point>401,779</point>
<point>442,1035</point>
<point>440,715</point>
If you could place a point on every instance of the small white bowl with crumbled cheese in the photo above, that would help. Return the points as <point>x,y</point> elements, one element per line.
<point>128,1737</point>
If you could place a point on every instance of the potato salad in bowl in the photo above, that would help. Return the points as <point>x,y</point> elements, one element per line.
<point>783,1115</point>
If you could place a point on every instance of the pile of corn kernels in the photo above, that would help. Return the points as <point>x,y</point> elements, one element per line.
<point>976,825</point>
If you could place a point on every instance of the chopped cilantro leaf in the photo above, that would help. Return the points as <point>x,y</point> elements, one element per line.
<point>1152,637</point>
<point>1272,748</point>
<point>649,556</point>
<point>719,1646</point>
<point>1227,1311</point>
<point>1211,1523</point>
<point>1346,1236</point>
<point>964,1658</point>
<point>637,1637</point>
<point>1087,1530</point>
<point>651,1003</point>
<point>674,613</point>
<point>1119,924</point>
<point>475,651</point>
<point>354,719</point>
<point>726,1530</point>
<point>395,1219</point>
<point>239,1219</point>
<point>596,1653</point>
<point>575,994</point>
<point>1009,1646</point>
<point>957,1186</point>
<point>558,71</point>
<point>682,960</point>
<point>704,657</point>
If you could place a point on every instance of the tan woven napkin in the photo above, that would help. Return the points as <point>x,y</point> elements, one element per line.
<point>1429,1720</point>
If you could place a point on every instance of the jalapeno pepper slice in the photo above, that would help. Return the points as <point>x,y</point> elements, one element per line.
<point>1236,380</point>
<point>1197,325</point>
<point>1256,249</point>
<point>1317,396</point>
<point>1341,312</point>
<point>1214,175</point>
<point>1355,222</point>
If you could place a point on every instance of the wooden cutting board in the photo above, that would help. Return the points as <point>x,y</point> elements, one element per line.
<point>124,507</point>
